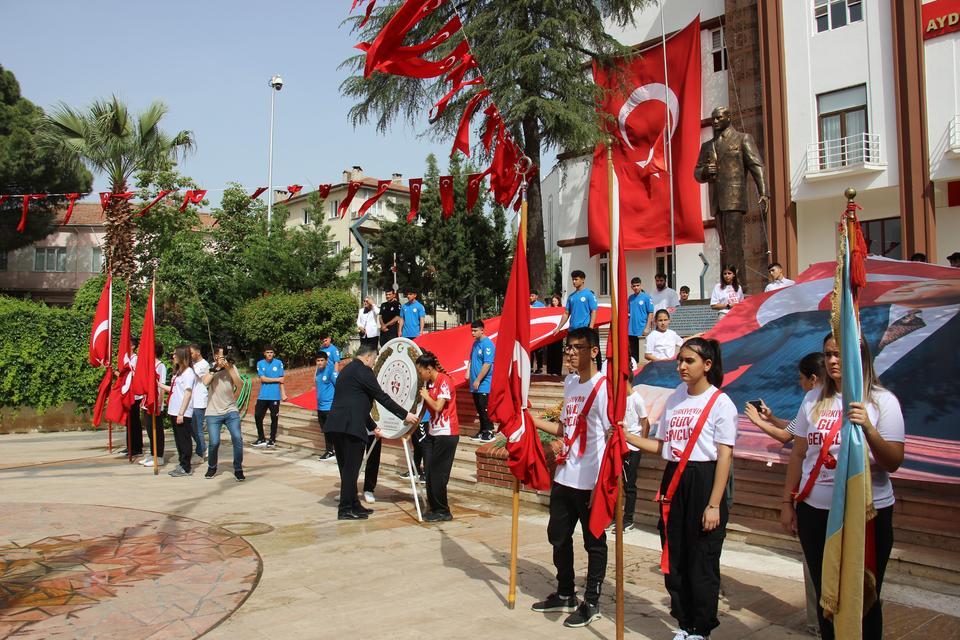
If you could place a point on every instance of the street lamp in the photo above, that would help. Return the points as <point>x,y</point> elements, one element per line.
<point>276,83</point>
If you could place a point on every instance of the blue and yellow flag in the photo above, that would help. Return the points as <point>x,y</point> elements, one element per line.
<point>848,587</point>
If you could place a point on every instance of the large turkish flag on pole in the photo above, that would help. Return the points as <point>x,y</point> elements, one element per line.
<point>638,96</point>
<point>100,339</point>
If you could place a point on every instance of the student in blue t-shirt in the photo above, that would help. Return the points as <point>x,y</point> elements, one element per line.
<point>581,307</point>
<point>333,353</point>
<point>325,377</point>
<point>537,355</point>
<point>270,370</point>
<point>640,308</point>
<point>481,373</point>
<point>412,317</point>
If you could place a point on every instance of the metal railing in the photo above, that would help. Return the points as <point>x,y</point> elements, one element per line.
<point>955,134</point>
<point>830,155</point>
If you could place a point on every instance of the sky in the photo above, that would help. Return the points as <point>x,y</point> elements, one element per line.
<point>210,61</point>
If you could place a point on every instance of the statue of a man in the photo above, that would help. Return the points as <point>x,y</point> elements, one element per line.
<point>724,162</point>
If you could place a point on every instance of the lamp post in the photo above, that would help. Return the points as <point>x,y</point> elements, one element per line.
<point>276,83</point>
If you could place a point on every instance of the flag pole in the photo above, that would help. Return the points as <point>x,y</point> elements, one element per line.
<point>153,444</point>
<point>613,273</point>
<point>515,521</point>
<point>668,139</point>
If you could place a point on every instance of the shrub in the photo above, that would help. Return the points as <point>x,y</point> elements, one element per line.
<point>294,322</point>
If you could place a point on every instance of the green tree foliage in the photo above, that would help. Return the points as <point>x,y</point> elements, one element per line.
<point>459,262</point>
<point>108,139</point>
<point>532,54</point>
<point>26,167</point>
<point>295,322</point>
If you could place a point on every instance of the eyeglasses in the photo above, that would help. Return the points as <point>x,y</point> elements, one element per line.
<point>573,348</point>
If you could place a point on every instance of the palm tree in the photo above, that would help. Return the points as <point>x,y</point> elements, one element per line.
<point>109,140</point>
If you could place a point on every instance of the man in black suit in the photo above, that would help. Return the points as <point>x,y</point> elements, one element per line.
<point>349,422</point>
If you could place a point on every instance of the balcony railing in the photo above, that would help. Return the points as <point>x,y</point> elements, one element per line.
<point>857,151</point>
<point>954,136</point>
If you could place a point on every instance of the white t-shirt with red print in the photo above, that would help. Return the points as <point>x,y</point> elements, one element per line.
<point>885,414</point>
<point>636,411</point>
<point>446,422</point>
<point>679,419</point>
<point>580,471</point>
<point>726,294</point>
<point>663,344</point>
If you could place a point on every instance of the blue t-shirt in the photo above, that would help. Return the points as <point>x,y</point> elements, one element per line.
<point>272,369</point>
<point>639,306</point>
<point>333,354</point>
<point>325,379</point>
<point>538,305</point>
<point>411,312</point>
<point>580,304</point>
<point>480,354</point>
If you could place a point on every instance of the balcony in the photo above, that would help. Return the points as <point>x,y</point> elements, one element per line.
<point>953,148</point>
<point>853,155</point>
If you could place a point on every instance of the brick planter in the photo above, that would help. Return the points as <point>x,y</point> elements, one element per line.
<point>492,466</point>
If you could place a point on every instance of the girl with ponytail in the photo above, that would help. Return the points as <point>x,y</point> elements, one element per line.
<point>695,435</point>
<point>443,434</point>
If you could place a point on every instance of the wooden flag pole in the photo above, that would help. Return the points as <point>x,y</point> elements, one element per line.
<point>615,328</point>
<point>109,436</point>
<point>153,443</point>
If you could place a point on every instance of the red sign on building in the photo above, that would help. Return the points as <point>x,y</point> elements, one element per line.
<point>940,18</point>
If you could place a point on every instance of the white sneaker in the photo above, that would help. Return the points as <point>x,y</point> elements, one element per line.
<point>681,635</point>
<point>696,637</point>
<point>148,463</point>
<point>368,497</point>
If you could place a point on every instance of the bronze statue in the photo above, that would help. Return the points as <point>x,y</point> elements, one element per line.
<point>724,162</point>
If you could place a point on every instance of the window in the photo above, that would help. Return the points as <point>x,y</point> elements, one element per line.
<point>718,50</point>
<point>96,262</point>
<point>833,14</point>
<point>306,216</point>
<point>52,259</point>
<point>334,247</point>
<point>3,260</point>
<point>333,209</point>
<point>883,237</point>
<point>842,122</point>
<point>664,259</point>
<point>604,285</point>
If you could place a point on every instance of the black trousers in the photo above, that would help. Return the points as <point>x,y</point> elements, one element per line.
<point>260,411</point>
<point>732,240</point>
<point>634,343</point>
<point>322,419</point>
<point>538,360</point>
<point>569,506</point>
<point>134,431</point>
<point>812,531</point>
<point>438,453</point>
<point>161,438</point>
<point>630,465</point>
<point>389,334</point>
<point>183,437</point>
<point>372,471</point>
<point>555,358</point>
<point>480,402</point>
<point>373,342</point>
<point>349,450</point>
<point>694,579</point>
<point>417,437</point>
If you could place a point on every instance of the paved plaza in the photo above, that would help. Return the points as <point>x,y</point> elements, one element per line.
<point>92,547</point>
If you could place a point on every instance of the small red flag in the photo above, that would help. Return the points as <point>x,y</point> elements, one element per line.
<point>352,187</point>
<point>160,196</point>
<point>100,336</point>
<point>145,375</point>
<point>104,200</point>
<point>422,68</point>
<point>120,400</point>
<point>462,140</point>
<point>366,16</point>
<point>71,199</point>
<point>256,194</point>
<point>437,110</point>
<point>384,47</point>
<point>446,195</point>
<point>474,182</point>
<point>193,196</point>
<point>293,189</point>
<point>102,392</point>
<point>492,126</point>
<point>416,185</point>
<point>324,191</point>
<point>26,205</point>
<point>382,186</point>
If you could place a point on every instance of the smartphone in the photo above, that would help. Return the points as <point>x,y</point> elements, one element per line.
<point>758,404</point>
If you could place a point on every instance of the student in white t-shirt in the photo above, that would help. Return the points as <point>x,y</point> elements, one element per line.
<point>583,428</point>
<point>727,292</point>
<point>881,420</point>
<point>200,368</point>
<point>634,421</point>
<point>180,408</point>
<point>694,527</point>
<point>662,342</point>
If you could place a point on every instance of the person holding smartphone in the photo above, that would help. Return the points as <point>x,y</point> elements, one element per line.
<point>223,384</point>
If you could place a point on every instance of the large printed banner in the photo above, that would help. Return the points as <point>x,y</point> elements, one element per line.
<point>909,320</point>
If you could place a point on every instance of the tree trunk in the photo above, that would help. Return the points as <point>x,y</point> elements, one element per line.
<point>119,236</point>
<point>536,254</point>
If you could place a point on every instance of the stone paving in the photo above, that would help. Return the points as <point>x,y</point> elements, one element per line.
<point>162,557</point>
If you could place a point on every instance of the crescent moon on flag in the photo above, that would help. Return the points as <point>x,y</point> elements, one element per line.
<point>645,93</point>
<point>103,326</point>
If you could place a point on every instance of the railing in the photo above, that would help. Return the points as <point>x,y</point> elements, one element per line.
<point>830,155</point>
<point>955,134</point>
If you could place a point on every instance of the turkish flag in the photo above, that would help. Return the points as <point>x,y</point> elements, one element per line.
<point>446,195</point>
<point>382,186</point>
<point>474,182</point>
<point>120,401</point>
<point>324,191</point>
<point>462,139</point>
<point>352,187</point>
<point>637,100</point>
<point>100,338</point>
<point>423,68</point>
<point>510,387</point>
<point>26,206</point>
<point>160,196</point>
<point>293,190</point>
<point>71,198</point>
<point>256,194</point>
<point>145,375</point>
<point>193,196</point>
<point>102,392</point>
<point>386,45</point>
<point>416,185</point>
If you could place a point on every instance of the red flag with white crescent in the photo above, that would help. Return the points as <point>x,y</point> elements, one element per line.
<point>145,375</point>
<point>352,187</point>
<point>382,186</point>
<point>121,399</point>
<point>100,337</point>
<point>446,195</point>
<point>510,387</point>
<point>416,185</point>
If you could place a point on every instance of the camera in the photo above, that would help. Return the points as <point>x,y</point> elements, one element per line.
<point>276,82</point>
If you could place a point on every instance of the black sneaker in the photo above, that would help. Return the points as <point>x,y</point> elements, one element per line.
<point>486,437</point>
<point>435,516</point>
<point>271,444</point>
<point>554,602</point>
<point>404,474</point>
<point>238,474</point>
<point>629,526</point>
<point>260,443</point>
<point>362,509</point>
<point>326,455</point>
<point>352,515</point>
<point>584,615</point>
<point>211,471</point>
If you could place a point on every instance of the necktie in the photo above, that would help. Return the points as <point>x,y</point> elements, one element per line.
<point>905,325</point>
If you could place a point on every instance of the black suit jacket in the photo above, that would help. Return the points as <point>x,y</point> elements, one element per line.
<point>357,388</point>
